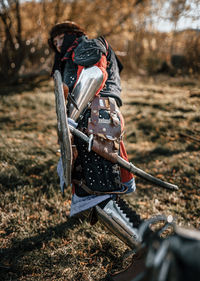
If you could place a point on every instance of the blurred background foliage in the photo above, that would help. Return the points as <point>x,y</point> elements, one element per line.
<point>129,25</point>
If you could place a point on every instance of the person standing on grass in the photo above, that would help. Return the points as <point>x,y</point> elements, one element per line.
<point>95,180</point>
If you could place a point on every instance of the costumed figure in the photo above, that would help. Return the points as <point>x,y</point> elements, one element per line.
<point>90,73</point>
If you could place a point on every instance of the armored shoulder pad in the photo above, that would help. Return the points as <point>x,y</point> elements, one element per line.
<point>88,52</point>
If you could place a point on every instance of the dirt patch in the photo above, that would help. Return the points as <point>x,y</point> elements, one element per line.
<point>38,239</point>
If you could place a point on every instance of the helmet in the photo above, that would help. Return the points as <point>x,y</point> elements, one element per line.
<point>68,27</point>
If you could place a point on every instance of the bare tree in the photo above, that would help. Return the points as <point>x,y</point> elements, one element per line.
<point>12,46</point>
<point>23,38</point>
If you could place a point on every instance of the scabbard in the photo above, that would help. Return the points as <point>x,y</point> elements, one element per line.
<point>115,158</point>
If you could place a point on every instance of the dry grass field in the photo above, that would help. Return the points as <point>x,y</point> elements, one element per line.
<point>38,240</point>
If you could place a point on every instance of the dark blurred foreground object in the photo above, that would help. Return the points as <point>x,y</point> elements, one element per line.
<point>175,258</point>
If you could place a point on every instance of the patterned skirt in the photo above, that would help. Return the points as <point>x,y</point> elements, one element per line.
<point>92,170</point>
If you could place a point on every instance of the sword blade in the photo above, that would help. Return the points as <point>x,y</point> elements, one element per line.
<point>128,165</point>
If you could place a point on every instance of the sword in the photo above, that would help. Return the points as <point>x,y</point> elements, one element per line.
<point>115,158</point>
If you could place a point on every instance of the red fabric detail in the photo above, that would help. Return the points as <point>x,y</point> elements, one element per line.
<point>73,46</point>
<point>73,55</point>
<point>125,175</point>
<point>73,189</point>
<point>64,58</point>
<point>102,65</point>
<point>106,45</point>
